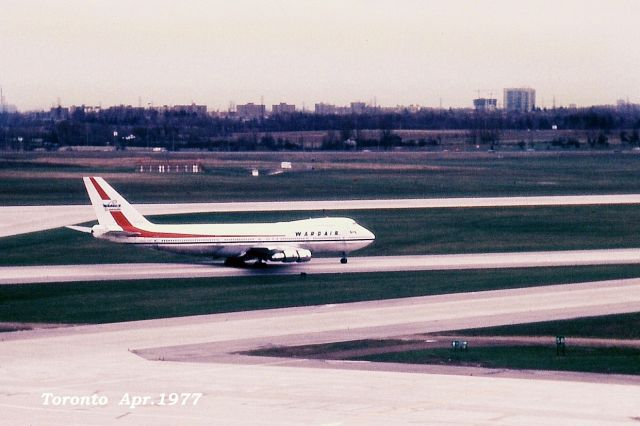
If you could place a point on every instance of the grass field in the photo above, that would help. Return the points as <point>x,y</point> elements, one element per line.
<point>625,326</point>
<point>608,360</point>
<point>113,301</point>
<point>56,178</point>
<point>398,232</point>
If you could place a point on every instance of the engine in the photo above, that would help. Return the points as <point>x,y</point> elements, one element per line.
<point>291,255</point>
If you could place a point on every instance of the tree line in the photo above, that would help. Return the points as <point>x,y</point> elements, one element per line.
<point>127,126</point>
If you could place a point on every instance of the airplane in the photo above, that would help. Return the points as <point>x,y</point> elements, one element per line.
<point>287,242</point>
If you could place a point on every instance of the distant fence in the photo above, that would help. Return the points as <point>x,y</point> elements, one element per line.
<point>189,168</point>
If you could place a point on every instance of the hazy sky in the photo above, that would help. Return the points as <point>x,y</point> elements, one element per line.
<point>337,51</point>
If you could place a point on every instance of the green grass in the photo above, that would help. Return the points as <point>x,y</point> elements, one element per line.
<point>609,360</point>
<point>322,176</point>
<point>324,350</point>
<point>113,301</point>
<point>624,326</point>
<point>398,232</point>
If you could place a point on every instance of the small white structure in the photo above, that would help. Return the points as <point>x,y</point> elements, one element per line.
<point>255,172</point>
<point>170,168</point>
<point>285,165</point>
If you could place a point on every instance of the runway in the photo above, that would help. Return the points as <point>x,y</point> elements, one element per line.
<point>15,220</point>
<point>98,360</point>
<point>135,271</point>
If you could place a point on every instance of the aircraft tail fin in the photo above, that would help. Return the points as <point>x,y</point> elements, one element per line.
<point>113,211</point>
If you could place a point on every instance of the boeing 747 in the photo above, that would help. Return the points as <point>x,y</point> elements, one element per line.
<point>294,241</point>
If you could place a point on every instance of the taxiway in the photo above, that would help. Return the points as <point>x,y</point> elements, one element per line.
<point>15,220</point>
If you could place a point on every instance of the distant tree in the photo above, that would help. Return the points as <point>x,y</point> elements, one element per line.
<point>346,131</point>
<point>624,137</point>
<point>599,141</point>
<point>268,142</point>
<point>603,140</point>
<point>388,139</point>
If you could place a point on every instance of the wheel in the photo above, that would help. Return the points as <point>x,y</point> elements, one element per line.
<point>343,260</point>
<point>260,263</point>
<point>236,262</point>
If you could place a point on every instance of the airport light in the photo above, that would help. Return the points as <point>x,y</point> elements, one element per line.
<point>560,346</point>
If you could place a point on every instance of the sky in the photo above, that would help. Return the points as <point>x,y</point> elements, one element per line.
<point>393,52</point>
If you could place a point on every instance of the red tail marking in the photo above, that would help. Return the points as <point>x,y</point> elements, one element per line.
<point>101,192</point>
<point>123,222</point>
<point>127,226</point>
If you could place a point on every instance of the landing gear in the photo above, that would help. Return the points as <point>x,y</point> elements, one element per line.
<point>236,262</point>
<point>241,262</point>
<point>260,263</point>
<point>344,258</point>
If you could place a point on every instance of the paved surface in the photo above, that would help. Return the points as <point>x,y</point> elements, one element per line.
<point>133,271</point>
<point>16,220</point>
<point>98,360</point>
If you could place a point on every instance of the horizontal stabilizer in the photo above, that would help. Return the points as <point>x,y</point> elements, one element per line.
<point>80,228</point>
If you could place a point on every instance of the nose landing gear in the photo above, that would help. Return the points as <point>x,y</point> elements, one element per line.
<point>343,260</point>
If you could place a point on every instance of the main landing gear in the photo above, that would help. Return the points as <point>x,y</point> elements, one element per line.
<point>344,258</point>
<point>240,262</point>
<point>235,262</point>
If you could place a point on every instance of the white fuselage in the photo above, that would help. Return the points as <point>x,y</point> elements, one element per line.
<point>323,235</point>
<point>295,241</point>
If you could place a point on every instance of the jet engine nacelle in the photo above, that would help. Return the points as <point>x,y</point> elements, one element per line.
<point>291,255</point>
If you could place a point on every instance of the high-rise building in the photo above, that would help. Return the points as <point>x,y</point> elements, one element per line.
<point>283,108</point>
<point>485,104</point>
<point>325,109</point>
<point>4,107</point>
<point>199,110</point>
<point>358,107</point>
<point>519,99</point>
<point>250,111</point>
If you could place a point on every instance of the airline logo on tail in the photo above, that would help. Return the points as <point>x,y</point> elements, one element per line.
<point>111,205</point>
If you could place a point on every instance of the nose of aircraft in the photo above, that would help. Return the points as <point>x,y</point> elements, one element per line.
<point>366,233</point>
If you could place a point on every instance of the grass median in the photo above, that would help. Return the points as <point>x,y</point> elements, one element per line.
<point>114,301</point>
<point>609,360</point>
